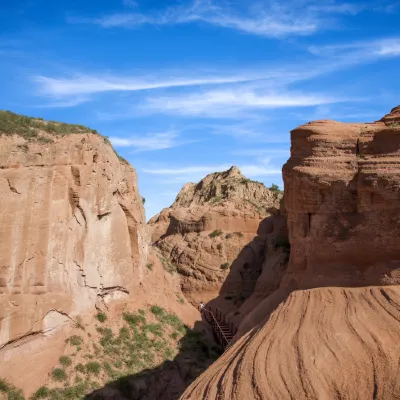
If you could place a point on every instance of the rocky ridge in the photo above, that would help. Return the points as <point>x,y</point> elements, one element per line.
<point>312,336</point>
<point>210,223</point>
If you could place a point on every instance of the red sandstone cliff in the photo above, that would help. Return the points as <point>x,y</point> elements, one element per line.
<point>330,328</point>
<point>73,241</point>
<point>207,231</point>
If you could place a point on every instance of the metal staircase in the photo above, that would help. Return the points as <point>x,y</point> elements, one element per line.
<point>224,331</point>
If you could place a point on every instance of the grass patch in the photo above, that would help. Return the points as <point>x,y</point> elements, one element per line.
<point>150,266</point>
<point>134,319</point>
<point>155,329</point>
<point>42,393</point>
<point>180,299</point>
<point>80,368</point>
<point>12,392</point>
<point>225,265</point>
<point>75,340</point>
<point>215,233</point>
<point>93,368</point>
<point>216,200</point>
<point>79,323</point>
<point>29,127</point>
<point>168,265</point>
<point>65,361</point>
<point>101,317</point>
<point>139,347</point>
<point>58,375</point>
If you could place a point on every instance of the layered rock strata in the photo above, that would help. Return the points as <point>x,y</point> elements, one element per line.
<point>330,327</point>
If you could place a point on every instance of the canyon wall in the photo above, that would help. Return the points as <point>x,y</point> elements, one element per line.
<point>72,239</point>
<point>330,327</point>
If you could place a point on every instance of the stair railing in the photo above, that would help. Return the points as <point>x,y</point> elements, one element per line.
<point>216,326</point>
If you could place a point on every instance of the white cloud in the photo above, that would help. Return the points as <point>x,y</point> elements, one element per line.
<point>150,142</point>
<point>231,102</point>
<point>87,84</point>
<point>271,18</point>
<point>370,49</point>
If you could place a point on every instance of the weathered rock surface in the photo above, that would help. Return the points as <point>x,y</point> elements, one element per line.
<point>208,226</point>
<point>318,344</point>
<point>72,237</point>
<point>312,336</point>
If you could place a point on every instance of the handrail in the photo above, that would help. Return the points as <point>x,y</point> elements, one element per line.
<point>214,320</point>
<point>220,333</point>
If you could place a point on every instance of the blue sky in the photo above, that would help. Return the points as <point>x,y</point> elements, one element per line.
<point>185,88</point>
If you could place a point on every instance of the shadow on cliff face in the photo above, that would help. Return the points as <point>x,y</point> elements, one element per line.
<point>252,270</point>
<point>169,380</point>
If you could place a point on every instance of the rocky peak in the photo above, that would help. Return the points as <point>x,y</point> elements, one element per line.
<point>219,187</point>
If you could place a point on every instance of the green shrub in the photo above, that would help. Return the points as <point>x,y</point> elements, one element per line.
<point>101,317</point>
<point>239,234</point>
<point>12,392</point>
<point>80,368</point>
<point>168,265</point>
<point>215,233</point>
<point>228,236</point>
<point>58,374</point>
<point>143,200</point>
<point>169,353</point>
<point>174,335</point>
<point>274,187</point>
<point>150,266</point>
<point>93,368</point>
<point>134,319</point>
<point>155,329</point>
<point>4,387</point>
<point>65,361</point>
<point>225,265</point>
<point>215,199</point>
<point>75,340</point>
<point>42,393</point>
<point>156,310</point>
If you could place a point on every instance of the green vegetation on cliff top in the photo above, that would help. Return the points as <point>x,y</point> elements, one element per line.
<point>38,130</point>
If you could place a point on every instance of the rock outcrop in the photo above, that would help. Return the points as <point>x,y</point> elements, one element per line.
<point>330,327</point>
<point>206,234</point>
<point>72,235</point>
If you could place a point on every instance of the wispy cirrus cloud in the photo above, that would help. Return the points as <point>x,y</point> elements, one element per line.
<point>368,49</point>
<point>263,18</point>
<point>90,84</point>
<point>150,142</point>
<point>232,102</point>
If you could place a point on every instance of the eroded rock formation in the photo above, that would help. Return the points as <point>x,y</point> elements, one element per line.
<point>330,328</point>
<point>72,236</point>
<point>210,230</point>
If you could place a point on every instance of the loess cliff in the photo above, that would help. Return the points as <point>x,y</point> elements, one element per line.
<point>329,328</point>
